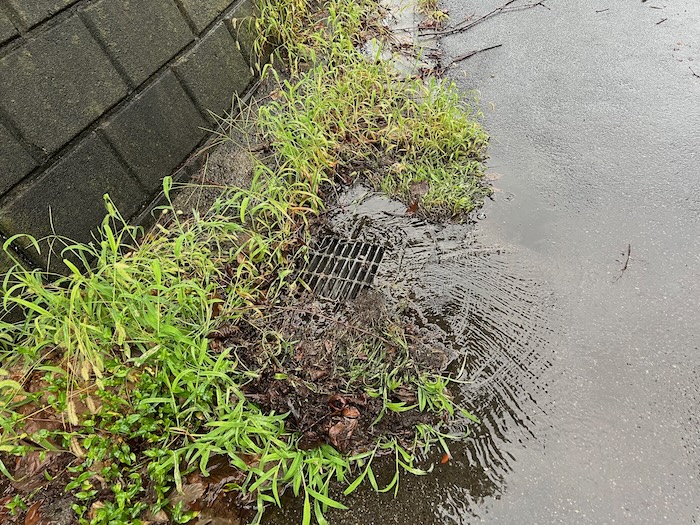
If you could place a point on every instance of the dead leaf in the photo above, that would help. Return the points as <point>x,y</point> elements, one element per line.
<point>33,515</point>
<point>317,374</point>
<point>160,517</point>
<point>337,403</point>
<point>405,394</point>
<point>418,189</point>
<point>339,434</point>
<point>191,492</point>
<point>309,441</point>
<point>94,508</point>
<point>351,412</point>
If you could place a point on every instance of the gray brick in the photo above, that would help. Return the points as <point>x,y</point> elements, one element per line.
<point>31,12</point>
<point>214,70</point>
<point>157,131</point>
<point>56,85</point>
<point>73,190</point>
<point>5,264</point>
<point>15,162</point>
<point>141,35</point>
<point>204,13</point>
<point>7,30</point>
<point>7,261</point>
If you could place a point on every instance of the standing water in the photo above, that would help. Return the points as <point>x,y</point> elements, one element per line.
<point>576,300</point>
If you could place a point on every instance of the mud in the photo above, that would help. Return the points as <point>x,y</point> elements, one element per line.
<point>320,378</point>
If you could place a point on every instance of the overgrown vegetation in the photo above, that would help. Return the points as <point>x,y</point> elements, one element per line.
<point>160,353</point>
<point>347,115</point>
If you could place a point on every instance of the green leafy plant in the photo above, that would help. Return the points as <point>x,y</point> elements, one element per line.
<point>115,363</point>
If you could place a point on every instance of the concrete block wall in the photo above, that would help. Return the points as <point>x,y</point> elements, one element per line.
<point>108,96</point>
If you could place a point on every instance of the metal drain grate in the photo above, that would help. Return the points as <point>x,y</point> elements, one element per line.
<point>339,269</point>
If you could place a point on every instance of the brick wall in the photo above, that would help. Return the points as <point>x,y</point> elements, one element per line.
<point>107,96</point>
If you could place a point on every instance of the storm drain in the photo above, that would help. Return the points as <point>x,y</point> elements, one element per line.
<point>339,269</point>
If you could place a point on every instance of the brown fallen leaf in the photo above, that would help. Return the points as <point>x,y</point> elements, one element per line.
<point>33,515</point>
<point>224,332</point>
<point>405,394</point>
<point>317,374</point>
<point>337,403</point>
<point>309,441</point>
<point>339,434</point>
<point>191,493</point>
<point>94,508</point>
<point>350,412</point>
<point>418,189</point>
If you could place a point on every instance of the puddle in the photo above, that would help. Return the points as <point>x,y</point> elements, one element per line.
<point>493,318</point>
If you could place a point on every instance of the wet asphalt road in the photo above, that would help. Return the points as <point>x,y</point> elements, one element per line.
<point>586,377</point>
<point>595,118</point>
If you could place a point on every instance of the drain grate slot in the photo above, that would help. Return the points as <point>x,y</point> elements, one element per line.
<point>339,269</point>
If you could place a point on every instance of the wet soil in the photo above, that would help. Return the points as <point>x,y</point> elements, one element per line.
<point>39,478</point>
<point>320,379</point>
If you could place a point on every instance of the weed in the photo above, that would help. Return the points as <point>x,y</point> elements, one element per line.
<point>430,9</point>
<point>348,118</point>
<point>16,505</point>
<point>144,362</point>
<point>124,356</point>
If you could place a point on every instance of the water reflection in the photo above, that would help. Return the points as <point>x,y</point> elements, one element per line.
<point>490,312</point>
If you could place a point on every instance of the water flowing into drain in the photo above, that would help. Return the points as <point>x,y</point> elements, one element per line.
<point>490,314</point>
<point>339,269</point>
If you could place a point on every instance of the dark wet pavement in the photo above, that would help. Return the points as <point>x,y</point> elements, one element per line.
<point>586,377</point>
<point>595,118</point>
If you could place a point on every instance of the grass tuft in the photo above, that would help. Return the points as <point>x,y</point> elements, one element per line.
<point>348,117</point>
<point>127,379</point>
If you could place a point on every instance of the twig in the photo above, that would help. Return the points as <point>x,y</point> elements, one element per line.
<point>467,24</point>
<point>602,10</point>
<point>469,55</point>
<point>627,260</point>
<point>661,21</point>
<point>693,72</point>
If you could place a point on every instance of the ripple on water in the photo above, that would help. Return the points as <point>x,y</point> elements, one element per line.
<point>494,316</point>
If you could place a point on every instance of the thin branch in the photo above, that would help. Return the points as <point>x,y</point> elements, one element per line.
<point>693,72</point>
<point>467,23</point>
<point>468,55</point>
<point>661,21</point>
<point>627,260</point>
